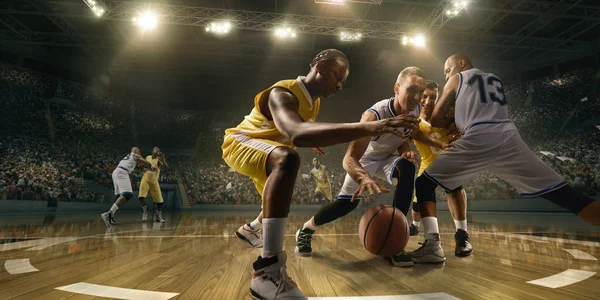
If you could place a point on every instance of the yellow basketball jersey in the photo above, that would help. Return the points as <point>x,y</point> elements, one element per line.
<point>152,174</point>
<point>429,153</point>
<point>320,175</point>
<point>256,125</point>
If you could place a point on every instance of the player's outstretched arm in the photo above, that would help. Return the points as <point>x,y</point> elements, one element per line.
<point>162,160</point>
<point>352,165</point>
<point>446,101</point>
<point>420,136</point>
<point>141,161</point>
<point>283,106</point>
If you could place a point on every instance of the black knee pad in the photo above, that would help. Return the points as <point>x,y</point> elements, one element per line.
<point>403,166</point>
<point>128,195</point>
<point>425,189</point>
<point>568,198</point>
<point>334,210</point>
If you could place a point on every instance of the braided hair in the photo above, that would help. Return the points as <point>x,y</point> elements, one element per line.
<point>327,55</point>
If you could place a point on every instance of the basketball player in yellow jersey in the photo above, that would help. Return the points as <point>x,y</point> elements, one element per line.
<point>262,148</point>
<point>321,176</point>
<point>150,183</point>
<point>457,200</point>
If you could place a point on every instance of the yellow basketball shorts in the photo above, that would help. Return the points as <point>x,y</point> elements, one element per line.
<point>152,186</point>
<point>325,190</point>
<point>248,156</point>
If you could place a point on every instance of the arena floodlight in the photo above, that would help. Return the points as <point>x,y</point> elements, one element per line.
<point>417,40</point>
<point>221,28</point>
<point>334,2</point>
<point>454,9</point>
<point>147,20</point>
<point>96,7</point>
<point>285,32</point>
<point>350,36</point>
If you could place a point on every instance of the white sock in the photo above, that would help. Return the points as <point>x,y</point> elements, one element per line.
<point>430,225</point>
<point>309,224</point>
<point>256,224</point>
<point>113,209</point>
<point>145,208</point>
<point>461,224</point>
<point>416,223</point>
<point>273,234</point>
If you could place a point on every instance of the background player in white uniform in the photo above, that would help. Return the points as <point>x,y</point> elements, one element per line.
<point>122,183</point>
<point>368,156</point>
<point>490,142</point>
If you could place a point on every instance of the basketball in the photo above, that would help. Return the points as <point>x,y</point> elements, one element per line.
<point>383,230</point>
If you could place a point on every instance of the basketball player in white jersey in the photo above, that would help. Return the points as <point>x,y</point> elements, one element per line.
<point>490,142</point>
<point>368,156</point>
<point>122,183</point>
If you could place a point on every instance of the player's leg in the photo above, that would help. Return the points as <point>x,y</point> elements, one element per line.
<point>251,233</point>
<point>331,211</point>
<point>123,192</point>
<point>158,199</point>
<point>454,167</point>
<point>270,269</point>
<point>416,218</point>
<point>457,204</point>
<point>143,194</point>
<point>401,172</point>
<point>525,171</point>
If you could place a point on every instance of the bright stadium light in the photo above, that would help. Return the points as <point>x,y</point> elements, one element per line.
<point>335,2</point>
<point>285,32</point>
<point>350,37</point>
<point>146,21</point>
<point>456,8</point>
<point>219,27</point>
<point>417,40</point>
<point>95,7</point>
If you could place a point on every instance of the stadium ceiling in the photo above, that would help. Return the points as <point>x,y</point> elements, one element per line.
<point>523,33</point>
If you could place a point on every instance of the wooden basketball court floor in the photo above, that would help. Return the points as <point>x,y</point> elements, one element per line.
<point>194,255</point>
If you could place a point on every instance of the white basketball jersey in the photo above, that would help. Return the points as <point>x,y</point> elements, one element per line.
<point>480,99</point>
<point>128,162</point>
<point>384,145</point>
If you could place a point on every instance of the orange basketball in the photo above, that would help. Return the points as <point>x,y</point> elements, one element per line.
<point>383,230</point>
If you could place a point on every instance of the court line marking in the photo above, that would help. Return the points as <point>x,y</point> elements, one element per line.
<point>564,278</point>
<point>546,239</point>
<point>19,266</point>
<point>436,296</point>
<point>115,292</point>
<point>578,254</point>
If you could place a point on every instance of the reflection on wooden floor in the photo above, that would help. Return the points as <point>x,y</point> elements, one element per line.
<point>195,256</point>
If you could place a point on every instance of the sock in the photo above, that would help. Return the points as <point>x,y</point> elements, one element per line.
<point>145,208</point>
<point>309,224</point>
<point>256,224</point>
<point>273,234</point>
<point>416,223</point>
<point>461,224</point>
<point>113,209</point>
<point>430,225</point>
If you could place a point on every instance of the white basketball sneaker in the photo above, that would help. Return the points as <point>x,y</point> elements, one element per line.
<point>250,235</point>
<point>158,217</point>
<point>144,215</point>
<point>430,251</point>
<point>271,281</point>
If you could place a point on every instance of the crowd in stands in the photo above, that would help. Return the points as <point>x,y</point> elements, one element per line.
<point>58,136</point>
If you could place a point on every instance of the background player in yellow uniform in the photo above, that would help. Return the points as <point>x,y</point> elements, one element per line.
<point>321,176</point>
<point>150,183</point>
<point>457,200</point>
<point>262,148</point>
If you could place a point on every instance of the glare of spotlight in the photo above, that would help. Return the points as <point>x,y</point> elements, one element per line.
<point>285,32</point>
<point>456,8</point>
<point>350,37</point>
<point>146,21</point>
<point>336,2</point>
<point>418,40</point>
<point>219,27</point>
<point>95,7</point>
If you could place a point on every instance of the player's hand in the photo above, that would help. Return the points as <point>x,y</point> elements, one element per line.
<point>319,151</point>
<point>413,157</point>
<point>396,124</point>
<point>370,185</point>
